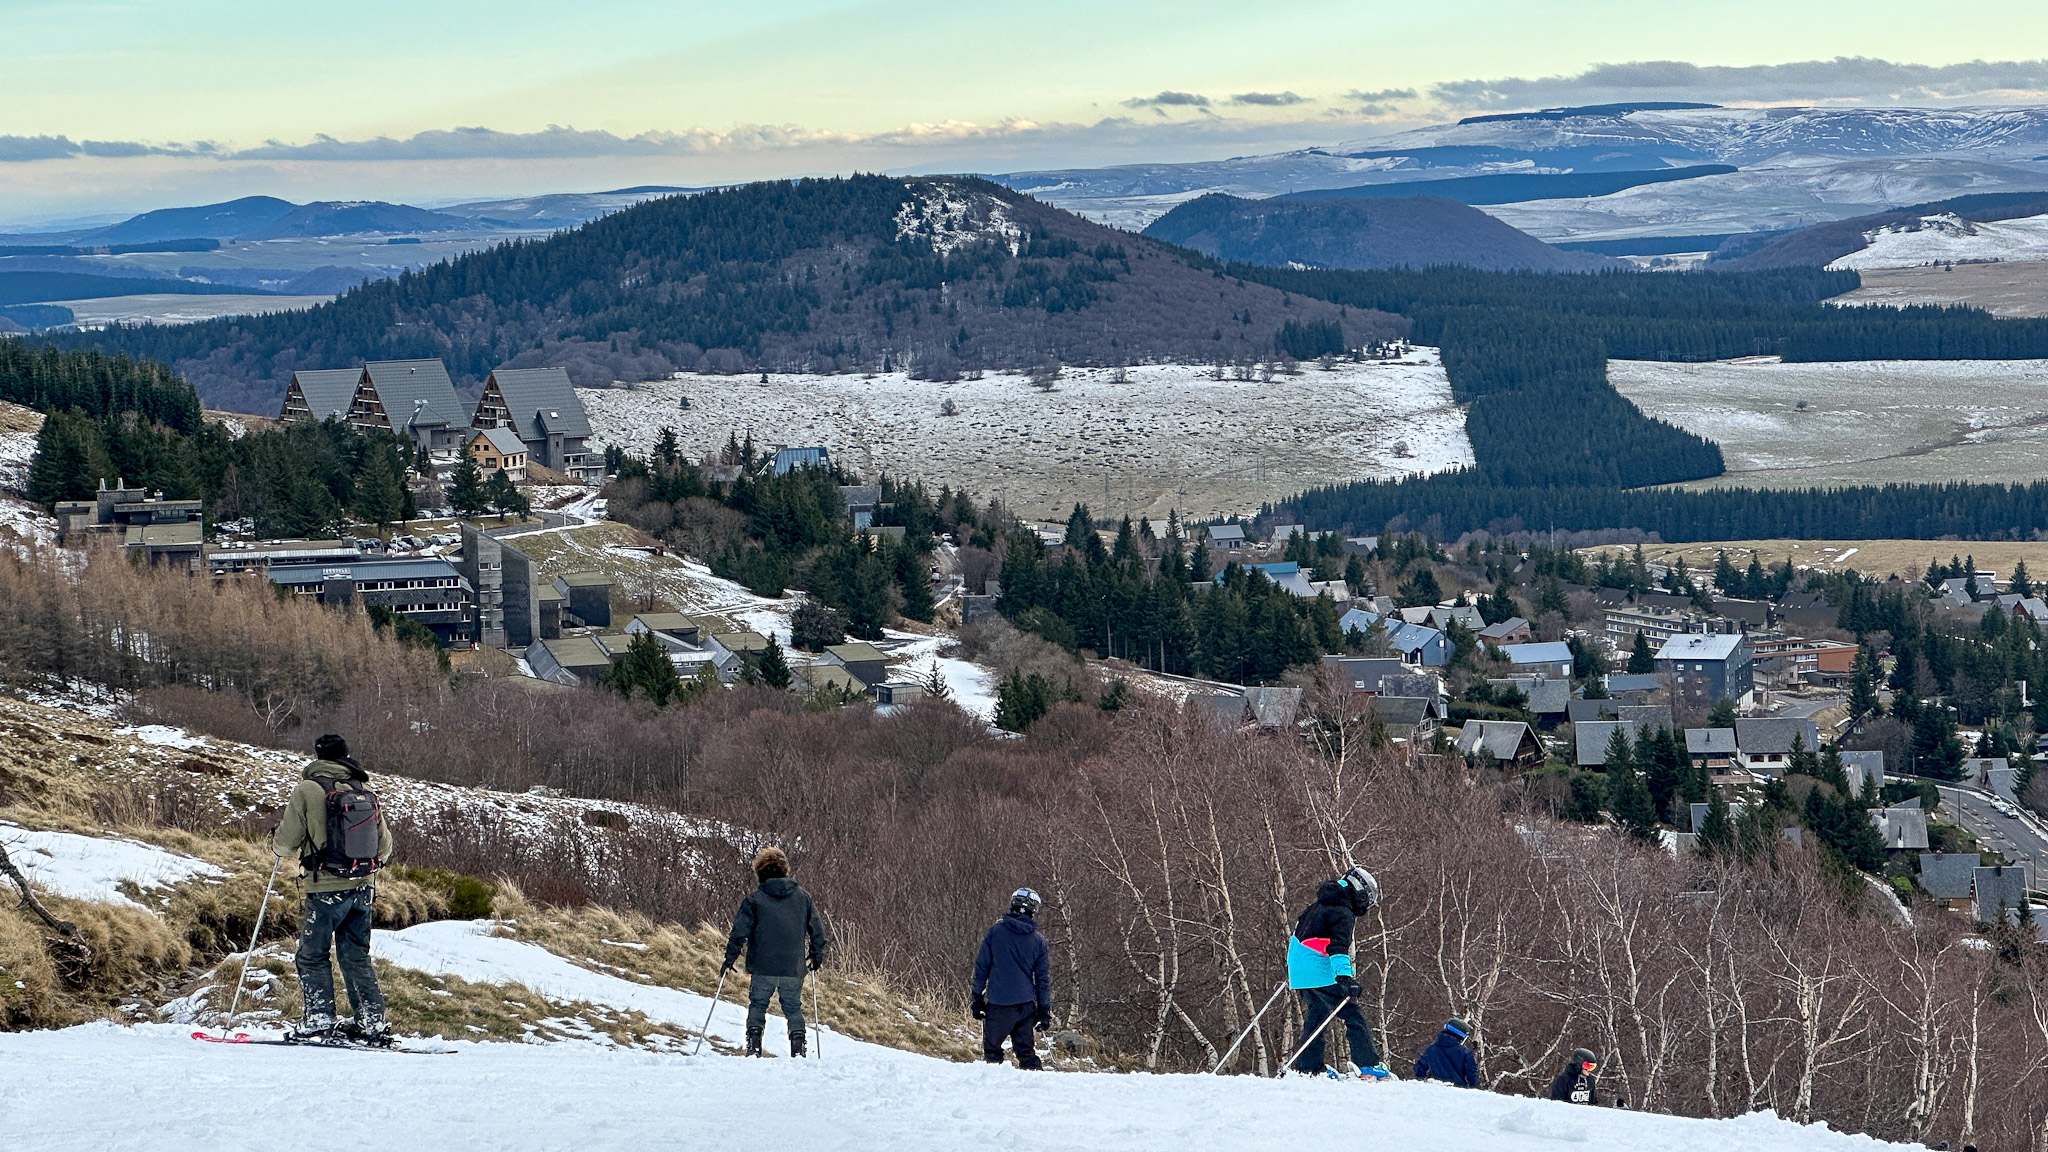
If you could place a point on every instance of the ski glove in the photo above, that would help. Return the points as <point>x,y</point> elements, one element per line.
<point>1043,1020</point>
<point>980,1008</point>
<point>1348,987</point>
<point>727,966</point>
<point>817,962</point>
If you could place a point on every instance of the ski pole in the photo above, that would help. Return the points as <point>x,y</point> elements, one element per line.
<point>698,1050</point>
<point>1311,1039</point>
<point>817,1014</point>
<point>261,910</point>
<point>1232,1050</point>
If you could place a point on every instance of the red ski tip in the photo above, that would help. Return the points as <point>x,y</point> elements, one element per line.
<point>237,1038</point>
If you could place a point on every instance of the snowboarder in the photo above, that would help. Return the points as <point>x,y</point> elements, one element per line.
<point>774,925</point>
<point>1448,1059</point>
<point>1319,970</point>
<point>1013,983</point>
<point>1575,1084</point>
<point>327,826</point>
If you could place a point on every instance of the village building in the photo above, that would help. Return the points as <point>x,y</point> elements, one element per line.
<point>498,450</point>
<point>539,407</point>
<point>1707,668</point>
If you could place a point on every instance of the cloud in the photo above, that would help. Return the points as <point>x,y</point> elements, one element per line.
<point>1269,99</point>
<point>1845,79</point>
<point>1380,97</point>
<point>1169,100</point>
<point>20,149</point>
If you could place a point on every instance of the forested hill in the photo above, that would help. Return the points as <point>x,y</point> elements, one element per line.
<point>1344,232</point>
<point>842,274</point>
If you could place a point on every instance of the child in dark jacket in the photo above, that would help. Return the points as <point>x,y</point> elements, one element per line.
<point>1575,1084</point>
<point>1448,1059</point>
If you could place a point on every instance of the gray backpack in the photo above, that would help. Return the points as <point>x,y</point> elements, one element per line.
<point>353,826</point>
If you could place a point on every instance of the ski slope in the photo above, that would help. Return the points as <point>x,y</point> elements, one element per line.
<point>103,1088</point>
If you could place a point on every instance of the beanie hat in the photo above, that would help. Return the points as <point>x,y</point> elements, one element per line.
<point>770,863</point>
<point>330,747</point>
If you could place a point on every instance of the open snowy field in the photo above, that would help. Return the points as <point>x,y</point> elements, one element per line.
<point>2008,288</point>
<point>171,308</point>
<point>1171,436</point>
<point>1861,422</point>
<point>101,1088</point>
<point>1948,237</point>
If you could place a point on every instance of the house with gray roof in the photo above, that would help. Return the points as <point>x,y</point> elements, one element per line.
<point>1513,630</point>
<point>320,394</point>
<point>1904,829</point>
<point>1712,748</point>
<point>861,658</point>
<point>1549,698</point>
<point>1464,614</point>
<point>1226,536</point>
<point>1764,743</point>
<point>1620,682</point>
<point>571,659</point>
<point>1508,742</point>
<point>1950,877</point>
<point>1862,768</point>
<point>413,398</point>
<point>675,631</point>
<point>1409,717</point>
<point>1259,707</point>
<point>2000,893</point>
<point>1549,659</point>
<point>1362,674</point>
<point>1592,737</point>
<point>1578,710</point>
<point>1647,717</point>
<point>541,408</point>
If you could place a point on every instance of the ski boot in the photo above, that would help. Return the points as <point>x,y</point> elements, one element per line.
<point>314,1028</point>
<point>753,1041</point>
<point>1376,1073</point>
<point>796,1042</point>
<point>369,1027</point>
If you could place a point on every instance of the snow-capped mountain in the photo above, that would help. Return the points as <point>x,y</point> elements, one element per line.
<point>1819,164</point>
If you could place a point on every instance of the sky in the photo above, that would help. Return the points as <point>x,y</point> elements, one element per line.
<point>110,107</point>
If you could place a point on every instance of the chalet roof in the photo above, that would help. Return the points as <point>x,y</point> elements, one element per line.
<point>540,392</point>
<point>577,652</point>
<point>1710,741</point>
<point>1364,673</point>
<point>1502,739</point>
<point>788,458</point>
<point>1860,766</point>
<point>584,579</point>
<point>1502,630</point>
<point>1619,682</point>
<point>401,382</point>
<point>666,622</point>
<point>821,676</point>
<point>1903,829</point>
<point>328,391</point>
<point>1593,736</point>
<point>858,652</point>
<point>1273,707</point>
<point>1763,735</point>
<point>2000,889</point>
<point>1225,533</point>
<point>1647,716</point>
<point>741,642</point>
<point>1407,711</point>
<point>502,441</point>
<point>1554,652</point>
<point>1949,875</point>
<point>1577,711</point>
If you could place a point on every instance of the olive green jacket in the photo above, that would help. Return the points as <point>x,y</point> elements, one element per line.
<point>303,831</point>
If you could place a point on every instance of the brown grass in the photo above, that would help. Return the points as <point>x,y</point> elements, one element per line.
<point>1905,558</point>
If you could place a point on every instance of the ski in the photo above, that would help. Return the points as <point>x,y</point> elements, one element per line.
<point>343,1045</point>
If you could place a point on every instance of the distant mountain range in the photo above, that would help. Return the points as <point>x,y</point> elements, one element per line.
<point>1799,166</point>
<point>1326,231</point>
<point>937,275</point>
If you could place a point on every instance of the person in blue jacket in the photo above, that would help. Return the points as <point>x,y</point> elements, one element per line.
<point>1013,983</point>
<point>1319,970</point>
<point>1448,1059</point>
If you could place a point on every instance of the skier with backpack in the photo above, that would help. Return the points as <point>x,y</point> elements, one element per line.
<point>334,827</point>
<point>779,929</point>
<point>1319,970</point>
<point>1012,994</point>
<point>1448,1059</point>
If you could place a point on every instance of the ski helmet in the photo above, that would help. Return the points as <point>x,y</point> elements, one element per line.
<point>1585,1060</point>
<point>1458,1025</point>
<point>1026,901</point>
<point>1365,891</point>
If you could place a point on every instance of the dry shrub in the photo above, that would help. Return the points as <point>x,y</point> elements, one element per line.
<point>31,995</point>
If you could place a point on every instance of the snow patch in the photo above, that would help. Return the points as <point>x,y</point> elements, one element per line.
<point>951,222</point>
<point>162,736</point>
<point>1945,238</point>
<point>93,868</point>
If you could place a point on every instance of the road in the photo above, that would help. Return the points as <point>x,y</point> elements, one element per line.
<point>2022,841</point>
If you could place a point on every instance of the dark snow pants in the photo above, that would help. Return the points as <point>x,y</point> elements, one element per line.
<point>1015,1021</point>
<point>790,989</point>
<point>1316,1006</point>
<point>338,922</point>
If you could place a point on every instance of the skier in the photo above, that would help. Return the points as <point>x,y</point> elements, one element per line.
<point>773,925</point>
<point>1319,970</point>
<point>327,827</point>
<point>1575,1084</point>
<point>1013,983</point>
<point>1448,1059</point>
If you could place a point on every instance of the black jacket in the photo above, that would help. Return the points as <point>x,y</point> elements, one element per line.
<point>1448,1060</point>
<point>1014,965</point>
<point>1569,1085</point>
<point>1321,950</point>
<point>772,925</point>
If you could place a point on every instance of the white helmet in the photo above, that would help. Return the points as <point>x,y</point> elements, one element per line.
<point>1026,901</point>
<point>1364,889</point>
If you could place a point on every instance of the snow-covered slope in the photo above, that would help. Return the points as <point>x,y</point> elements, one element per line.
<point>1948,238</point>
<point>95,868</point>
<point>102,1088</point>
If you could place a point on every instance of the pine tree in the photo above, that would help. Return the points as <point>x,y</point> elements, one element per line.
<point>774,669</point>
<point>1628,800</point>
<point>934,683</point>
<point>380,488</point>
<point>1641,661</point>
<point>1717,831</point>
<point>466,489</point>
<point>644,671</point>
<point>815,626</point>
<point>1863,685</point>
<point>505,496</point>
<point>916,586</point>
<point>2021,585</point>
<point>1722,714</point>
